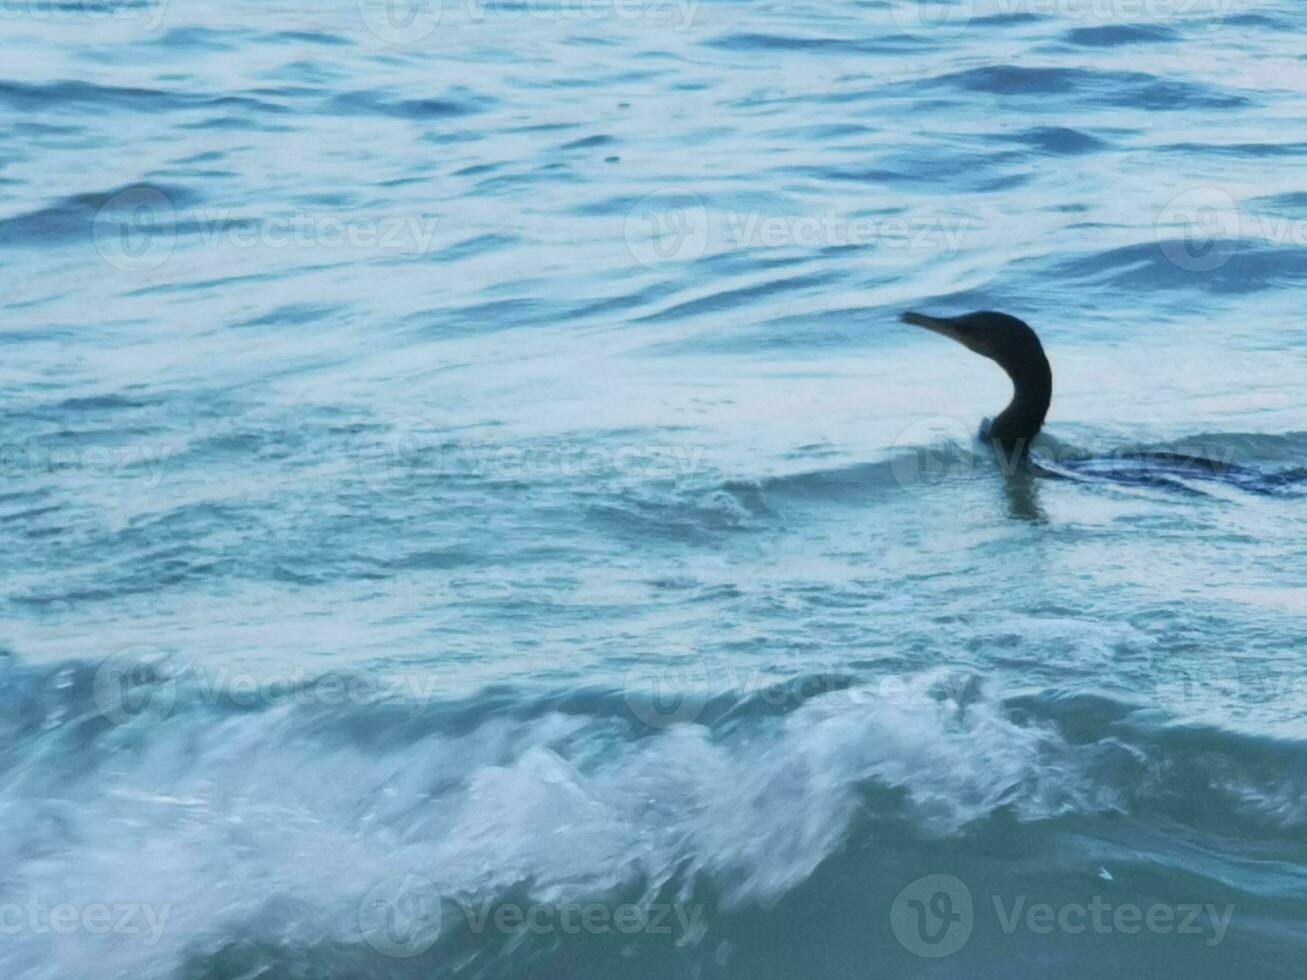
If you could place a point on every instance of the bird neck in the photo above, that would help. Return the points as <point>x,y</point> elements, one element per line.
<point>1019,423</point>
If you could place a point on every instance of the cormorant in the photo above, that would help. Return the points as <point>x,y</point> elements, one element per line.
<point>1011,344</point>
<point>1015,347</point>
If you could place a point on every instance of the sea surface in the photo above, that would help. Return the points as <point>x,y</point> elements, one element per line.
<point>470,508</point>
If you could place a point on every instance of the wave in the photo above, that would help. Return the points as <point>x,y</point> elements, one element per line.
<point>1231,266</point>
<point>376,103</point>
<point>731,299</point>
<point>1114,35</point>
<point>1055,140</point>
<point>860,482</point>
<point>54,96</point>
<point>817,45</point>
<point>703,515</point>
<point>1137,90</point>
<point>262,819</point>
<point>73,217</point>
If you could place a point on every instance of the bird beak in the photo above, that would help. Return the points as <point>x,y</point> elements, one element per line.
<point>941,325</point>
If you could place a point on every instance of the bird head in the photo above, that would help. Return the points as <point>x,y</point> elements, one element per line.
<point>1016,349</point>
<point>1002,338</point>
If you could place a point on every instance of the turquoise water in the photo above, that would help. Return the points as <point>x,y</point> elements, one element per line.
<point>463,462</point>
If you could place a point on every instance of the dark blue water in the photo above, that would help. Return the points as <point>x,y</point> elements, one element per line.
<point>470,507</point>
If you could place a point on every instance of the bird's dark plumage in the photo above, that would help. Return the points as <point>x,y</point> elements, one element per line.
<point>1016,349</point>
<point>1011,344</point>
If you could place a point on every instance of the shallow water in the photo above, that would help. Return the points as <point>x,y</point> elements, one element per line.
<point>472,462</point>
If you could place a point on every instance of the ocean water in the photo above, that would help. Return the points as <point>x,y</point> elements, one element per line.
<point>470,508</point>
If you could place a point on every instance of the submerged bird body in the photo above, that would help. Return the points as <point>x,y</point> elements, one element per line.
<point>1016,348</point>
